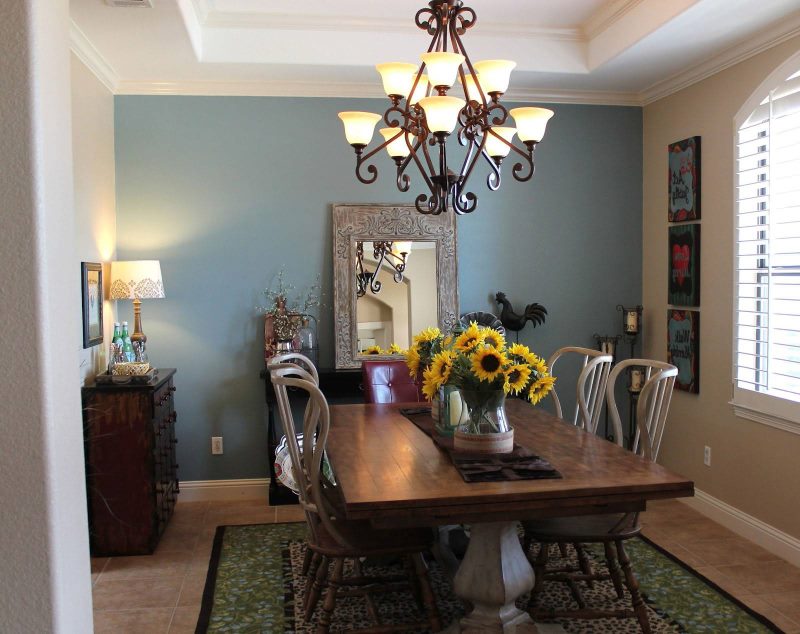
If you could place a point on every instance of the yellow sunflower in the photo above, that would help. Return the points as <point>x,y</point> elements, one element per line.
<point>522,351</point>
<point>493,338</point>
<point>516,378</point>
<point>395,349</point>
<point>429,384</point>
<point>541,388</point>
<point>470,338</point>
<point>441,366</point>
<point>412,361</point>
<point>487,363</point>
<point>429,334</point>
<point>373,350</point>
<point>540,366</point>
<point>448,341</point>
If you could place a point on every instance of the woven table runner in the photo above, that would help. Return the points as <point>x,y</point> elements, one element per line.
<point>519,464</point>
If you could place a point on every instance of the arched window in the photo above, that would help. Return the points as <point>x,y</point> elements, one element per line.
<point>767,256</point>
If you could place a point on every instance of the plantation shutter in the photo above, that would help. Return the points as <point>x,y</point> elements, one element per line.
<point>767,325</point>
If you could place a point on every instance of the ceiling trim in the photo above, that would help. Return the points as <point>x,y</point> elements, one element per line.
<point>606,16</point>
<point>759,43</point>
<point>86,52</point>
<point>349,90</point>
<point>210,18</point>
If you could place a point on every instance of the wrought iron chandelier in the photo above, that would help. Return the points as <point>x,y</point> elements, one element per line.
<point>422,116</point>
<point>393,254</point>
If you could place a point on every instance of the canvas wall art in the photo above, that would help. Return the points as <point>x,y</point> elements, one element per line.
<point>683,348</point>
<point>684,180</point>
<point>684,265</point>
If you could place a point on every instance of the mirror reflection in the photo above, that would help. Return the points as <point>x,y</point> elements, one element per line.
<point>396,291</point>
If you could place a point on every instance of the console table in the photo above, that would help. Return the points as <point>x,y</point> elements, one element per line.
<point>339,386</point>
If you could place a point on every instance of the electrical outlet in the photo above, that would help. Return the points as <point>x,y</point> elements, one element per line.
<point>707,456</point>
<point>216,445</point>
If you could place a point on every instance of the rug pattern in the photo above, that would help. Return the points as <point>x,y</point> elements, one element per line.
<point>259,589</point>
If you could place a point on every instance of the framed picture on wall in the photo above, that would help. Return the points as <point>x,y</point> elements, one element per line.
<point>683,348</point>
<point>684,180</point>
<point>92,293</point>
<point>684,265</point>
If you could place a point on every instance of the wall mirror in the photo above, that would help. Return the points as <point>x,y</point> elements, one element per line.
<point>394,273</point>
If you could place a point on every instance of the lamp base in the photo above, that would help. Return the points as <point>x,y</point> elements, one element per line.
<point>138,335</point>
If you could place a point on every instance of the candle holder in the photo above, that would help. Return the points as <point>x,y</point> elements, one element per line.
<point>631,329</point>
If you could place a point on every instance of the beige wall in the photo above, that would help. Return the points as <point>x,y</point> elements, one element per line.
<point>754,468</point>
<point>95,215</point>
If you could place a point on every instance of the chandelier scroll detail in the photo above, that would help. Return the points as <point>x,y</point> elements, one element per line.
<point>422,116</point>
<point>392,254</point>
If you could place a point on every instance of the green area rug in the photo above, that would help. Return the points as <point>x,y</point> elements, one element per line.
<point>254,585</point>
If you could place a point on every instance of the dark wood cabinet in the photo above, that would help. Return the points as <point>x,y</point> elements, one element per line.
<point>131,470</point>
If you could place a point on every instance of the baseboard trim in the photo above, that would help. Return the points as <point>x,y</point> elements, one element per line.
<point>224,490</point>
<point>762,534</point>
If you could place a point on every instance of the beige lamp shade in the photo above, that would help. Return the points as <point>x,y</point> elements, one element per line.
<point>442,67</point>
<point>359,126</point>
<point>531,122</point>
<point>397,77</point>
<point>441,113</point>
<point>494,146</point>
<point>472,90</point>
<point>494,74</point>
<point>397,148</point>
<point>420,91</point>
<point>136,279</point>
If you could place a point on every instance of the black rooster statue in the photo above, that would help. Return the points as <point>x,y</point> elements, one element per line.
<point>535,313</point>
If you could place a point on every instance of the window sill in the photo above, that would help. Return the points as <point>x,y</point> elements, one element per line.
<point>771,420</point>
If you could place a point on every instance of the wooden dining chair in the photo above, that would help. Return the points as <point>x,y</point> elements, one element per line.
<point>610,530</point>
<point>332,537</point>
<point>590,388</point>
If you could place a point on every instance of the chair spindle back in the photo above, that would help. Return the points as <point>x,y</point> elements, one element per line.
<point>590,387</point>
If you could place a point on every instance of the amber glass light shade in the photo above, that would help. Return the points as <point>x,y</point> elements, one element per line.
<point>531,122</point>
<point>359,126</point>
<point>401,247</point>
<point>420,91</point>
<point>441,113</point>
<point>442,67</point>
<point>494,146</point>
<point>472,89</point>
<point>397,77</point>
<point>397,148</point>
<point>494,74</point>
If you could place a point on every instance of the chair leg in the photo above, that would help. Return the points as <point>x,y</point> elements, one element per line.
<point>428,598</point>
<point>539,570</point>
<point>314,591</point>
<point>330,597</point>
<point>583,562</point>
<point>639,608</point>
<point>614,569</point>
<point>562,548</point>
<point>309,554</point>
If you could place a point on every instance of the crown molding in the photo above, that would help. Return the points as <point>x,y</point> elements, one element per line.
<point>209,18</point>
<point>349,90</point>
<point>759,43</point>
<point>86,52</point>
<point>607,15</point>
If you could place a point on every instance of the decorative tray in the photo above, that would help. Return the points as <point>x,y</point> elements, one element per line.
<point>117,379</point>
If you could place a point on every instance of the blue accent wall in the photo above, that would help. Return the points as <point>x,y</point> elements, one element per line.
<point>226,190</point>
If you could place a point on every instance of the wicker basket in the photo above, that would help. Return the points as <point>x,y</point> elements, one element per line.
<point>132,368</point>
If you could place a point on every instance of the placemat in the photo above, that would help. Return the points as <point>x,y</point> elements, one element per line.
<point>519,464</point>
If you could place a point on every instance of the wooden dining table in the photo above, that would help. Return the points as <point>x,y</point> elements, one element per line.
<point>391,473</point>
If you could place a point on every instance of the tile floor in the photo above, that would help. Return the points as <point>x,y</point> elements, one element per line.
<point>161,593</point>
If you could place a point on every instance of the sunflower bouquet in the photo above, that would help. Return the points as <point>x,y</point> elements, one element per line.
<point>484,369</point>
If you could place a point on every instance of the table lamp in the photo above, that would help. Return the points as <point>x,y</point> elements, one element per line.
<point>136,280</point>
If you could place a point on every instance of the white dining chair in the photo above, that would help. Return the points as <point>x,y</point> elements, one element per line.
<point>590,387</point>
<point>297,359</point>
<point>610,530</point>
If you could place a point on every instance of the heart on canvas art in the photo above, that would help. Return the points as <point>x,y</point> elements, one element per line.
<point>680,263</point>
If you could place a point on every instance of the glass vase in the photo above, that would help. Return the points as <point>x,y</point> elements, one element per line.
<point>486,412</point>
<point>484,426</point>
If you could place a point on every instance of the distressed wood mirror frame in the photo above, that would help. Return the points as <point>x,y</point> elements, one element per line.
<point>372,222</point>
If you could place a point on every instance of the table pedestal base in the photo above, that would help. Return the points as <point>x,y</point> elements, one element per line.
<point>493,575</point>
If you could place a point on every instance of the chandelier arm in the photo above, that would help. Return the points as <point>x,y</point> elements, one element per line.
<point>497,120</point>
<point>428,161</point>
<point>464,203</point>
<point>426,25</point>
<point>519,167</point>
<point>363,158</point>
<point>431,204</point>
<point>465,23</point>
<point>374,284</point>
<point>458,46</point>
<point>494,179</point>
<point>475,150</point>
